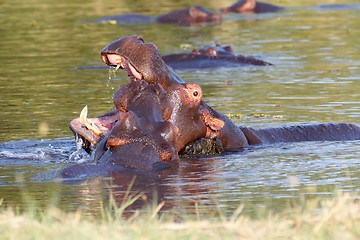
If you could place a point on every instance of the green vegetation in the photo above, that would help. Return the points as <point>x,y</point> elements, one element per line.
<point>315,219</point>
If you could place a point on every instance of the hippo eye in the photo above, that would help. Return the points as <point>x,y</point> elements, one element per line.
<point>195,93</point>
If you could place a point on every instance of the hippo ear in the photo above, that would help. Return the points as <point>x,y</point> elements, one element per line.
<point>196,51</point>
<point>116,141</point>
<point>249,5</point>
<point>228,48</point>
<point>214,124</point>
<point>211,51</point>
<point>166,112</point>
<point>193,12</point>
<point>211,122</point>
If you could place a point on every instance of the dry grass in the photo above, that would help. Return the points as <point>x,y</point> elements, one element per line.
<point>326,219</point>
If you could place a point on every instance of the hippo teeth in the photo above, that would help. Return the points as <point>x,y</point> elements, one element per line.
<point>83,115</point>
<point>120,62</point>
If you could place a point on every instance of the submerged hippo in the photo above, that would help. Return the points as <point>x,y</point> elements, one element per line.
<point>251,6</point>
<point>188,16</point>
<point>210,57</point>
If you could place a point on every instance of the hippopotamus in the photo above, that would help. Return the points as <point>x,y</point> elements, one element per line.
<point>142,61</point>
<point>210,57</point>
<point>157,115</point>
<point>251,6</point>
<point>136,133</point>
<point>188,16</point>
<point>338,6</point>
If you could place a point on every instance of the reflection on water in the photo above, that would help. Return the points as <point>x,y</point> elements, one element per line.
<point>269,176</point>
<point>44,48</point>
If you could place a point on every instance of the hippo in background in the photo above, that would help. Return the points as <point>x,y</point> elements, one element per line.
<point>251,6</point>
<point>205,57</point>
<point>210,57</point>
<point>194,15</point>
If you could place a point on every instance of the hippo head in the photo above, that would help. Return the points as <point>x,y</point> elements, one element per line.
<point>138,95</point>
<point>142,127</point>
<point>241,7</point>
<point>142,61</point>
<point>217,50</point>
<point>251,6</point>
<point>190,16</point>
<point>140,116</point>
<point>89,131</point>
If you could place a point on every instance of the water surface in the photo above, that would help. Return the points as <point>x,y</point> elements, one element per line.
<point>315,78</point>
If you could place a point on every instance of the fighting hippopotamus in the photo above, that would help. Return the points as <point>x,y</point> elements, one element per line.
<point>210,57</point>
<point>144,110</point>
<point>189,16</point>
<point>143,61</point>
<point>136,133</point>
<point>251,6</point>
<point>159,109</point>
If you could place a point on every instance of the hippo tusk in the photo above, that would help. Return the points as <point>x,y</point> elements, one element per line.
<point>118,61</point>
<point>83,115</point>
<point>117,67</point>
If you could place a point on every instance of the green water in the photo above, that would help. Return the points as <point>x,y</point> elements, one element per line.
<point>315,78</point>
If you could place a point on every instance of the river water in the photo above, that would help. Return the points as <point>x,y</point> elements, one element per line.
<point>45,80</point>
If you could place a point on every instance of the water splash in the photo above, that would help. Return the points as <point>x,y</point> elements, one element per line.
<point>79,155</point>
<point>36,150</point>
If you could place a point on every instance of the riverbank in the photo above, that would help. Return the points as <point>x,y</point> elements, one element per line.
<point>337,218</point>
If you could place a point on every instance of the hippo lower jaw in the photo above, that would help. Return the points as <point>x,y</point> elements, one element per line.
<point>118,61</point>
<point>92,130</point>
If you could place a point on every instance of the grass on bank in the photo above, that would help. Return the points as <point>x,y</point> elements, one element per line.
<point>320,219</point>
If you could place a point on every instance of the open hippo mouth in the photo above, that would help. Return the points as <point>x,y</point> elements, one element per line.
<point>140,60</point>
<point>143,62</point>
<point>118,61</point>
<point>92,130</point>
<point>130,53</point>
<point>120,55</point>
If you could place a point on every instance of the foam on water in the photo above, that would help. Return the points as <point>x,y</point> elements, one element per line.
<point>31,151</point>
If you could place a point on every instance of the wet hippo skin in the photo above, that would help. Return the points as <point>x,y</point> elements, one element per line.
<point>305,132</point>
<point>157,115</point>
<point>142,124</point>
<point>210,57</point>
<point>251,6</point>
<point>140,135</point>
<point>145,63</point>
<point>188,16</point>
